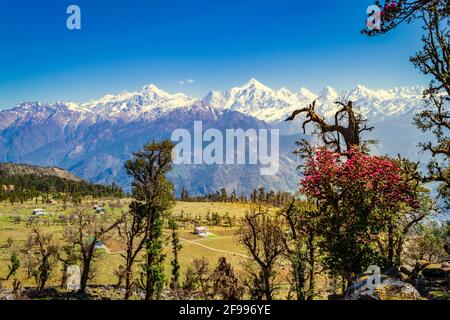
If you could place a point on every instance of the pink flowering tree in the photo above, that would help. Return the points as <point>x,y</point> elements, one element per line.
<point>356,196</point>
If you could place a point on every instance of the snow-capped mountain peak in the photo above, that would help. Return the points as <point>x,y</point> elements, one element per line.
<point>252,98</point>
<point>215,99</point>
<point>255,99</point>
<point>329,94</point>
<point>273,106</point>
<point>305,93</point>
<point>149,101</point>
<point>152,88</point>
<point>254,84</point>
<point>284,92</point>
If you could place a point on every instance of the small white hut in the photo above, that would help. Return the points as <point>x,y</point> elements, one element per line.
<point>201,231</point>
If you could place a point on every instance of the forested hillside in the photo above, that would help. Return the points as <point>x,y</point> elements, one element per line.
<point>22,182</point>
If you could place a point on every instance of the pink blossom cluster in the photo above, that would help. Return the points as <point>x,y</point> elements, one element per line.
<point>355,178</point>
<point>391,6</point>
<point>389,10</point>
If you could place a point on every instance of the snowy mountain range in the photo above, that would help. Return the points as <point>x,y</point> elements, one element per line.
<point>273,106</point>
<point>94,138</point>
<point>252,98</point>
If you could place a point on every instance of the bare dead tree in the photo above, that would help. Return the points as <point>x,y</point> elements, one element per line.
<point>47,252</point>
<point>86,230</point>
<point>133,231</point>
<point>300,246</point>
<point>262,236</point>
<point>342,135</point>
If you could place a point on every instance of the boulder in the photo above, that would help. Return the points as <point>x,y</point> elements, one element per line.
<point>436,271</point>
<point>9,297</point>
<point>408,270</point>
<point>388,289</point>
<point>433,281</point>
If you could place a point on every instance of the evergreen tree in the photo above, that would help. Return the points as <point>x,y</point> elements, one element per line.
<point>154,193</point>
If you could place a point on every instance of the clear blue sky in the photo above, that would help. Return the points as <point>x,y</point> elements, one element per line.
<point>126,44</point>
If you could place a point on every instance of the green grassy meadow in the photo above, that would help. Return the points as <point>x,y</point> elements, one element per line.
<point>222,240</point>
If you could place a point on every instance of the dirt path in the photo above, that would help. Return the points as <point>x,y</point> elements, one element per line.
<point>214,249</point>
<point>194,242</point>
<point>211,238</point>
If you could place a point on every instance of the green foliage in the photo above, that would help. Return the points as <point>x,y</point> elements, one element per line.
<point>225,283</point>
<point>429,242</point>
<point>257,196</point>
<point>14,265</point>
<point>197,277</point>
<point>432,60</point>
<point>176,247</point>
<point>30,186</point>
<point>152,277</point>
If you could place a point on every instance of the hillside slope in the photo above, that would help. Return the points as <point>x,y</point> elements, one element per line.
<point>12,169</point>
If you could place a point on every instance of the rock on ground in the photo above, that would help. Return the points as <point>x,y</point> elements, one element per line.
<point>388,289</point>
